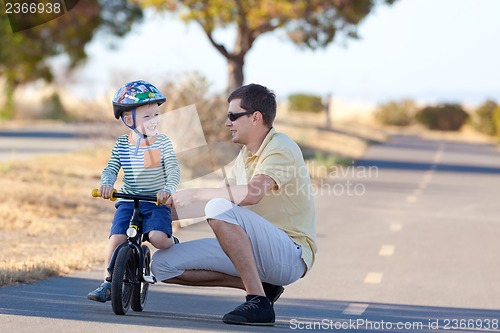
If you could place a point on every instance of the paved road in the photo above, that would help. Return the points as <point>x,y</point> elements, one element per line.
<point>25,141</point>
<point>408,240</point>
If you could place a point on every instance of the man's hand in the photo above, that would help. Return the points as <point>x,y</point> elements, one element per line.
<point>162,196</point>
<point>105,191</point>
<point>181,198</point>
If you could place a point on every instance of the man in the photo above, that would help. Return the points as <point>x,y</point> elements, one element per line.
<point>263,219</point>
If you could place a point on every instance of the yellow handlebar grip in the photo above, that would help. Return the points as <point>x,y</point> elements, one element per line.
<point>96,194</point>
<point>112,197</point>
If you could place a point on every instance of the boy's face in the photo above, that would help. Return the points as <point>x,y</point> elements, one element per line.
<point>146,119</point>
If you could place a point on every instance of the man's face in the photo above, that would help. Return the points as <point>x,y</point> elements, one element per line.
<point>146,119</point>
<point>239,128</point>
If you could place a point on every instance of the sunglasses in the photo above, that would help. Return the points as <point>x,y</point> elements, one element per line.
<point>233,116</point>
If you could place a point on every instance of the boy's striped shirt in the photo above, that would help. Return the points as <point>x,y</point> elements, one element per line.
<point>153,169</point>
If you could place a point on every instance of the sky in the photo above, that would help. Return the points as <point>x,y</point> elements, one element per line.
<point>428,50</point>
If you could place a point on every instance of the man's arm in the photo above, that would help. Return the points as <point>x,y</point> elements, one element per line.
<point>191,202</point>
<point>194,210</point>
<point>242,195</point>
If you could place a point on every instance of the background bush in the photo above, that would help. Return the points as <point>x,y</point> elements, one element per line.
<point>496,118</point>
<point>483,119</point>
<point>443,117</point>
<point>305,102</point>
<point>194,88</point>
<point>396,113</point>
<point>211,108</point>
<point>54,109</point>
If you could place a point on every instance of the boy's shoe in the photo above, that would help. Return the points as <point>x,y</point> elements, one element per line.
<point>176,240</point>
<point>101,294</point>
<point>272,292</point>
<point>257,310</point>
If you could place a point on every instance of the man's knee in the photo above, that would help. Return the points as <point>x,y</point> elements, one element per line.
<point>216,207</point>
<point>162,265</point>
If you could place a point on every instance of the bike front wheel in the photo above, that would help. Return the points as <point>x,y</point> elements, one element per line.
<point>140,291</point>
<point>123,280</point>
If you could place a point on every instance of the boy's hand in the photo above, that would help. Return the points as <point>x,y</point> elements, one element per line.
<point>105,191</point>
<point>162,196</point>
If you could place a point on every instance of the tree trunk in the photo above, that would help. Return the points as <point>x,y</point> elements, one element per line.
<point>7,110</point>
<point>235,70</point>
<point>236,59</point>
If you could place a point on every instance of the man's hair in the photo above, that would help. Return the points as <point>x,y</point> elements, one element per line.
<point>255,97</point>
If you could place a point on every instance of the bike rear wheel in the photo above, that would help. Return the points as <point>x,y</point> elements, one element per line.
<point>124,275</point>
<point>140,291</point>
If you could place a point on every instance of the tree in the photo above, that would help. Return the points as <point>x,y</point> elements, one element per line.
<point>442,117</point>
<point>25,55</point>
<point>483,119</point>
<point>396,113</point>
<point>309,23</point>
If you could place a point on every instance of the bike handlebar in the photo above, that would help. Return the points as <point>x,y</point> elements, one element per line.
<point>115,195</point>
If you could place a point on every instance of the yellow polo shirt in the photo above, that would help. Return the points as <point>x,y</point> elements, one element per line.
<point>290,204</point>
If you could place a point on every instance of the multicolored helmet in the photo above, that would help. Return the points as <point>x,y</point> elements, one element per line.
<point>135,94</point>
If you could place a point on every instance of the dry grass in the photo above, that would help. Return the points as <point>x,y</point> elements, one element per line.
<point>50,224</point>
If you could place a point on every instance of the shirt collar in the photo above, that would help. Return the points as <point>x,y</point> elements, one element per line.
<point>144,142</point>
<point>263,145</point>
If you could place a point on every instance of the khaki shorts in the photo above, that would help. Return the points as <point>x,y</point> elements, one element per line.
<point>277,257</point>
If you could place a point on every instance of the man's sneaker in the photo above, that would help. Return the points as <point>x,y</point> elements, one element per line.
<point>257,310</point>
<point>101,294</point>
<point>272,292</point>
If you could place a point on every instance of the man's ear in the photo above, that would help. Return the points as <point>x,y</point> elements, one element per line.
<point>257,117</point>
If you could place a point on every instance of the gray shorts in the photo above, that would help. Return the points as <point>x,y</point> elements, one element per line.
<point>278,258</point>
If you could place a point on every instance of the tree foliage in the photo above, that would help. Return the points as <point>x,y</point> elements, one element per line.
<point>310,24</point>
<point>305,103</point>
<point>443,117</point>
<point>25,55</point>
<point>396,113</point>
<point>483,119</point>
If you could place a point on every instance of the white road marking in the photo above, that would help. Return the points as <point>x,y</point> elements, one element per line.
<point>387,250</point>
<point>411,199</point>
<point>426,179</point>
<point>355,309</point>
<point>373,278</point>
<point>395,227</point>
<point>439,154</point>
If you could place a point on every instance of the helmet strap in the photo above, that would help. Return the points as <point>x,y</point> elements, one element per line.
<point>133,128</point>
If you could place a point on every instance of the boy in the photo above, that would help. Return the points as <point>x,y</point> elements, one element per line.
<point>150,168</point>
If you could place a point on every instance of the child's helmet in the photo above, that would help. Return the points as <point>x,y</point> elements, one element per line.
<point>135,94</point>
